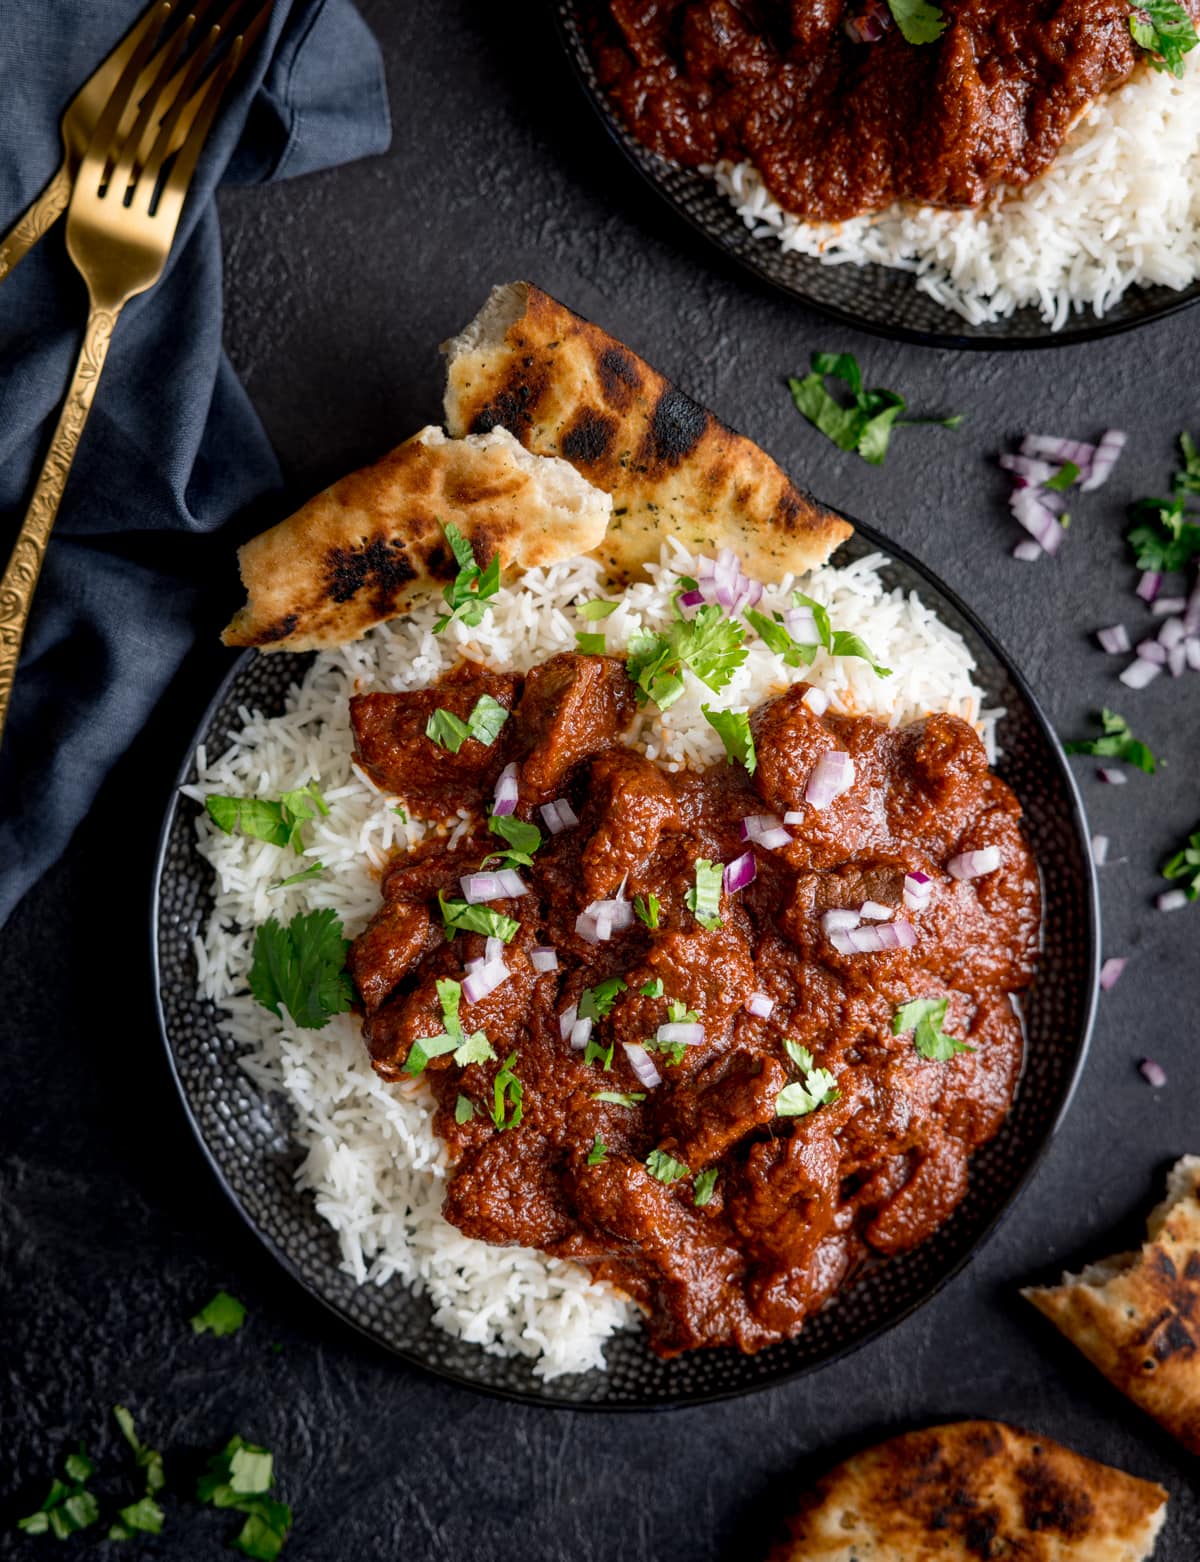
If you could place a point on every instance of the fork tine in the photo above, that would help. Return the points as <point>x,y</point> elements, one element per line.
<point>180,82</point>
<point>128,138</point>
<point>170,202</point>
<point>107,74</point>
<point>96,158</point>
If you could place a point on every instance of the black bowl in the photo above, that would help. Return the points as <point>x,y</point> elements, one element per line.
<point>872,298</point>
<point>245,1133</point>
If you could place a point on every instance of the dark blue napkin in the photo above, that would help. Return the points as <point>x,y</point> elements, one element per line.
<point>172,449</point>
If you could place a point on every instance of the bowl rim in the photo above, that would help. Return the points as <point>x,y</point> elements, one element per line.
<point>643,160</point>
<point>659,1403</point>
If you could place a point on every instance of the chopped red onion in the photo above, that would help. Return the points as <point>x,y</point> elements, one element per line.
<point>794,816</point>
<point>1139,673</point>
<point>832,775</point>
<point>869,23</point>
<point>1162,607</point>
<point>1150,584</point>
<point>1191,648</point>
<point>1191,613</point>
<point>874,940</point>
<point>485,980</point>
<point>478,887</point>
<point>866,940</point>
<point>816,700</point>
<point>906,933</point>
<point>1106,456</point>
<point>597,922</point>
<point>841,942</point>
<point>764,830</point>
<point>581,1034</point>
<point>566,1020</point>
<point>680,1033</point>
<point>692,598</point>
<point>543,958</point>
<point>1177,660</point>
<point>1029,468</point>
<point>642,1064</point>
<point>1172,632</point>
<point>973,865</point>
<point>1151,651</point>
<point>1153,1073</point>
<point>588,928</point>
<point>839,921</point>
<point>1114,640</point>
<point>504,798</point>
<point>511,883</point>
<point>801,624</point>
<point>1110,972</point>
<point>918,891</point>
<point>1028,551</point>
<point>875,911</point>
<point>1099,850</point>
<point>1112,777</point>
<point>740,872</point>
<point>493,949</point>
<point>761,1005</point>
<point>1031,507</point>
<point>559,816</point>
<point>1051,448</point>
<point>1172,900</point>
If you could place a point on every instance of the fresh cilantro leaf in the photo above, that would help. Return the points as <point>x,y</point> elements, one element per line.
<point>704,898</point>
<point>647,910</point>
<point>671,1051</point>
<point>447,730</point>
<point>591,645</point>
<point>68,1506</point>
<point>239,1477</point>
<point>264,1532</point>
<point>596,1052</point>
<point>924,1017</point>
<point>475,1049</point>
<point>846,644</point>
<point>459,917</point>
<point>1166,540</point>
<point>143,1517</point>
<point>666,1168</point>
<point>1185,864</point>
<point>733,728</point>
<point>302,967</point>
<point>1187,479</point>
<point>596,1002</point>
<point>820,615</point>
<point>780,640</point>
<point>278,823</point>
<point>1118,742</point>
<point>1066,477</point>
<point>426,1047</point>
<point>524,839</point>
<point>598,607</point>
<point>710,645</point>
<point>251,1470</point>
<point>702,1187</point>
<point>78,1467</point>
<point>313,871</point>
<point>464,1110</point>
<point>1165,30</point>
<point>298,808</point>
<point>450,1000</point>
<point>800,1056</point>
<point>653,988</point>
<point>598,1153</point>
<point>507,1110</point>
<point>866,425</point>
<point>486,719</point>
<point>796,1100</point>
<point>620,1097</point>
<point>679,1014</point>
<point>918,21</point>
<point>223,1315</point>
<point>468,593</point>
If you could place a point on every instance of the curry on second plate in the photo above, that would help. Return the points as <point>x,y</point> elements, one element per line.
<point>682,916</point>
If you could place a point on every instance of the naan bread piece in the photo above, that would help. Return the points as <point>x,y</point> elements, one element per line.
<point>367,548</point>
<point>566,388</point>
<point>975,1489</point>
<point>1137,1316</point>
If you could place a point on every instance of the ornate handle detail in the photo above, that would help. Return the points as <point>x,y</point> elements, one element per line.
<point>25,564</point>
<point>40,217</point>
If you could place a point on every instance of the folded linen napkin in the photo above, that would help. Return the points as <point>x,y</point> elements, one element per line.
<point>172,449</point>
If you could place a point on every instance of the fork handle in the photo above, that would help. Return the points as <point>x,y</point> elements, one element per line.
<point>25,563</point>
<point>36,220</point>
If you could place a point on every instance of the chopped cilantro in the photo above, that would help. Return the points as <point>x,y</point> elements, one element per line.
<point>710,645</point>
<point>464,1110</point>
<point>671,1051</point>
<point>1165,30</point>
<point>240,1477</point>
<point>401,813</point>
<point>666,1168</point>
<point>486,719</point>
<point>280,823</point>
<point>144,1517</point>
<point>779,640</point>
<point>68,1506</point>
<point>591,645</point>
<point>795,653</point>
<point>447,730</point>
<point>679,1014</point>
<point>1185,864</point>
<point>647,910</point>
<point>800,1056</point>
<point>819,1088</point>
<point>704,898</point>
<point>866,425</point>
<point>1118,742</point>
<point>459,917</point>
<point>598,607</point>
<point>1167,540</point>
<point>653,988</point>
<point>476,1048</point>
<point>620,1097</point>
<point>702,1187</point>
<point>733,728</point>
<point>924,1016</point>
<point>598,1153</point>
<point>596,1002</point>
<point>468,593</point>
<point>507,1110</point>
<point>426,1047</point>
<point>523,840</point>
<point>223,1315</point>
<point>919,21</point>
<point>596,1052</point>
<point>302,967</point>
<point>1066,476</point>
<point>313,871</point>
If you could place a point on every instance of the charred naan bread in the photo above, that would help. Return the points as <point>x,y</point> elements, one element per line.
<point>975,1489</point>
<point>566,388</point>
<point>367,548</point>
<point>1137,1316</point>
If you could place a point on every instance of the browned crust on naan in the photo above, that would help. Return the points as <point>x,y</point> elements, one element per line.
<point>1137,1317</point>
<point>567,388</point>
<point>970,1491</point>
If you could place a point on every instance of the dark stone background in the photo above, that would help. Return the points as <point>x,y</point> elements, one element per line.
<point>112,1231</point>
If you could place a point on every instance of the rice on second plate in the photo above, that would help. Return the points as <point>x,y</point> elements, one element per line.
<point>374,1166</point>
<point>1119,206</point>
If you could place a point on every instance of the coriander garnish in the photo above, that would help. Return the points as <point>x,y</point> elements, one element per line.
<point>733,728</point>
<point>866,425</point>
<point>704,898</point>
<point>301,967</point>
<point>459,917</point>
<point>507,1092</point>
<point>1118,742</point>
<point>241,1477</point>
<point>665,1168</point>
<point>1185,864</point>
<point>819,1087</point>
<point>924,1017</point>
<point>279,823</point>
<point>467,595</point>
<point>710,645</point>
<point>223,1315</point>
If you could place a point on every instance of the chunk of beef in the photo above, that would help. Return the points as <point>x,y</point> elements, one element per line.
<point>573,707</point>
<point>399,934</point>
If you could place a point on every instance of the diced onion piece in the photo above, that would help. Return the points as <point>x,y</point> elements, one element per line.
<point>841,942</point>
<point>874,940</point>
<point>1139,673</point>
<point>581,1034</point>
<point>692,598</point>
<point>484,981</point>
<point>918,891</point>
<point>1172,633</point>
<point>875,911</point>
<point>1191,648</point>
<point>1051,448</point>
<point>1163,607</point>
<point>479,887</point>
<point>559,816</point>
<point>794,816</point>
<point>1028,551</point>
<point>740,872</point>
<point>1191,613</point>
<point>756,827</point>
<point>1151,651</point>
<point>642,1064</point>
<point>680,1033</point>
<point>493,949</point>
<point>1172,900</point>
<point>1110,972</point>
<point>761,1005</point>
<point>816,700</point>
<point>1177,660</point>
<point>566,1020</point>
<point>1153,1073</point>
<point>586,927</point>
<point>511,883</point>
<point>1150,584</point>
<point>504,798</point>
<point>1112,777</point>
<point>906,933</point>
<point>866,940</point>
<point>543,958</point>
<point>973,865</point>
<point>1099,850</point>
<point>1114,640</point>
<point>832,775</point>
<point>839,921</point>
<point>1029,468</point>
<point>1033,509</point>
<point>801,624</point>
<point>1107,453</point>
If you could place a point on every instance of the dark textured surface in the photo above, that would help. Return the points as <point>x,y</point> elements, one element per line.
<point>111,1227</point>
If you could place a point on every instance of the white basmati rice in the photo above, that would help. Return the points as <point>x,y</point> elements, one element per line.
<point>1119,206</point>
<point>374,1167</point>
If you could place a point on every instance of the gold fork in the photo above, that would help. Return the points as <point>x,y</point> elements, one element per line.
<point>123,214</point>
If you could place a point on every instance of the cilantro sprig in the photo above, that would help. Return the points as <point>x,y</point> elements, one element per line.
<point>646,910</point>
<point>817,1088</point>
<point>709,644</point>
<point>799,653</point>
<point>1185,864</point>
<point>241,1476</point>
<point>596,1003</point>
<point>507,1094</point>
<point>924,1017</point>
<point>703,1185</point>
<point>1165,540</point>
<point>68,1506</point>
<point>918,20</point>
<point>523,840</point>
<point>733,728</point>
<point>475,1048</point>
<point>144,1516</point>
<point>301,967</point>
<point>866,424</point>
<point>1165,30</point>
<point>279,823</point>
<point>467,595</point>
<point>1117,742</point>
<point>450,732</point>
